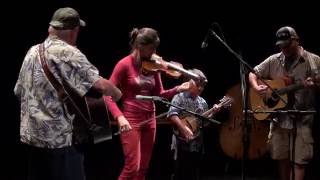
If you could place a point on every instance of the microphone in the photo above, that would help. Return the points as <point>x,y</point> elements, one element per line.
<point>149,98</point>
<point>204,43</point>
<point>209,33</point>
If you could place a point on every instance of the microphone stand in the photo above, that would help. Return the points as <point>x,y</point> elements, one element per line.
<point>244,68</point>
<point>245,127</point>
<point>284,111</point>
<point>167,103</point>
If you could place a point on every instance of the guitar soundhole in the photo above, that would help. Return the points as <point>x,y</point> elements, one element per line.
<point>272,100</point>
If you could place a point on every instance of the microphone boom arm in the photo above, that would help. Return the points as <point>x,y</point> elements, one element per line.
<point>246,64</point>
<point>193,113</point>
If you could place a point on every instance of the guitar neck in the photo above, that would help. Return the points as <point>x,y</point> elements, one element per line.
<point>211,110</point>
<point>225,101</point>
<point>290,88</point>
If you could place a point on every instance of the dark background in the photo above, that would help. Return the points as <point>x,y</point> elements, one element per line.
<point>248,28</point>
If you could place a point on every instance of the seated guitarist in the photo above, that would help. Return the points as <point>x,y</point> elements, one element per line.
<point>300,66</point>
<point>188,144</point>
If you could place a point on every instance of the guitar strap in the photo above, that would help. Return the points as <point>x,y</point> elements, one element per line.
<point>63,95</point>
<point>61,92</point>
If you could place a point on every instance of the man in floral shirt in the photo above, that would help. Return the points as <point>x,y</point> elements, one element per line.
<point>46,126</point>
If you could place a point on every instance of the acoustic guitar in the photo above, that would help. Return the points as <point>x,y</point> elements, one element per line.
<point>92,122</point>
<point>260,105</point>
<point>193,123</point>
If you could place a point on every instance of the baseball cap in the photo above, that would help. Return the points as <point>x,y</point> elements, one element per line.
<point>284,36</point>
<point>66,18</point>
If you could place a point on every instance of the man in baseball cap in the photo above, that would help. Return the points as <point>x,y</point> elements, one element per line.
<point>66,18</point>
<point>299,65</point>
<point>51,133</point>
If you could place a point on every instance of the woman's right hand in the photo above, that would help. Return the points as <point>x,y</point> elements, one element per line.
<point>123,124</point>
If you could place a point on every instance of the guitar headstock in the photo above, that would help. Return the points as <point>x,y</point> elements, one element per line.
<point>226,102</point>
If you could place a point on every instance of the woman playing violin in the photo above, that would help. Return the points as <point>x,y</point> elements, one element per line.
<point>132,79</point>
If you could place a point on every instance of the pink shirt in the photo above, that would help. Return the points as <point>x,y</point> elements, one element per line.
<point>129,79</point>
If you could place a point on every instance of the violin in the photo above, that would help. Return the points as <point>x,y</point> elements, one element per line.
<point>156,64</point>
<point>173,69</point>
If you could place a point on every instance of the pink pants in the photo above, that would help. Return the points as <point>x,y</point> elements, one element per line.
<point>137,147</point>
